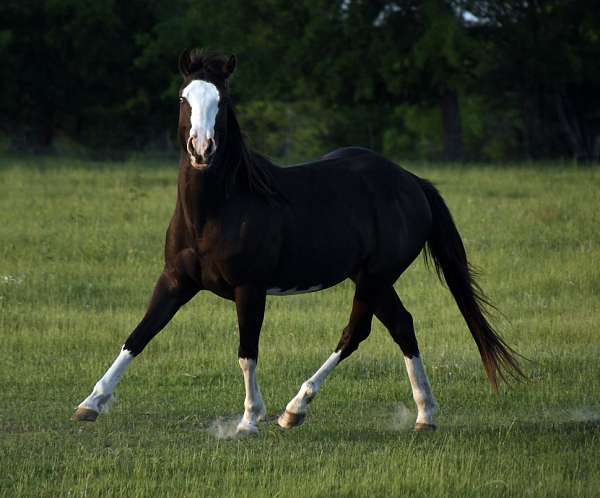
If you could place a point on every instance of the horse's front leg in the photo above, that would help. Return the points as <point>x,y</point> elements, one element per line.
<point>250,304</point>
<point>170,293</point>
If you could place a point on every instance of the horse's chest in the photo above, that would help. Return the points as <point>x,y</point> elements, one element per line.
<point>229,261</point>
<point>219,263</point>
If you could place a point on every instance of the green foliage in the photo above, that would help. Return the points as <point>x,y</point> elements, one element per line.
<point>104,74</point>
<point>293,131</point>
<point>418,133</point>
<point>487,131</point>
<point>418,136</point>
<point>82,246</point>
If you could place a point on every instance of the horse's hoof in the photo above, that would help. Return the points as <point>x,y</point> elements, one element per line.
<point>287,420</point>
<point>262,417</point>
<point>246,429</point>
<point>422,427</point>
<point>83,414</point>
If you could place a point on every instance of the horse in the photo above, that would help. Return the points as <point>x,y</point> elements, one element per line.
<point>244,228</point>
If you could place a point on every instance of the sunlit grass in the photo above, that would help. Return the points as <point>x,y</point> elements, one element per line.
<point>81,246</point>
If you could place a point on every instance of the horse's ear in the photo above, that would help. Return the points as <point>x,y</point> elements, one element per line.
<point>229,66</point>
<point>185,62</point>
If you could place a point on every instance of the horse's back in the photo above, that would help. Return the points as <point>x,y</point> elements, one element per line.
<point>358,208</point>
<point>345,152</point>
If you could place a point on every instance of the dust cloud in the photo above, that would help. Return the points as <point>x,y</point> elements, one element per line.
<point>225,427</point>
<point>401,418</point>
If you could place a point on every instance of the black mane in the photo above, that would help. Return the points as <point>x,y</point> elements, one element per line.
<point>251,170</point>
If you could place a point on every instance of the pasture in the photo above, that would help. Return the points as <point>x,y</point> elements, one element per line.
<point>81,245</point>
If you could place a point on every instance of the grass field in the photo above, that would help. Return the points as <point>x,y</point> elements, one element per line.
<point>81,246</point>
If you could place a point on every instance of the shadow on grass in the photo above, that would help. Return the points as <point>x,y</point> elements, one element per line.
<point>494,432</point>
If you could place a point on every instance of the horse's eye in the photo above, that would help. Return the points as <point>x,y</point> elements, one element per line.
<point>181,100</point>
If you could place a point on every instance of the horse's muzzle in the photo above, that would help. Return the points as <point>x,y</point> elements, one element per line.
<point>201,152</point>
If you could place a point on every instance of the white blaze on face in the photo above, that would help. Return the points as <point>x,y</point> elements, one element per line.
<point>203,98</point>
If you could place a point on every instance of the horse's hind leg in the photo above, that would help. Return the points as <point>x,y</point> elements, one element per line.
<point>357,330</point>
<point>399,323</point>
<point>169,295</point>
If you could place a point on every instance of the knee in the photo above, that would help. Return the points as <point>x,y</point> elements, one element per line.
<point>352,338</point>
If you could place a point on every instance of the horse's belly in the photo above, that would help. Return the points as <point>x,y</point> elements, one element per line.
<point>300,275</point>
<point>277,291</point>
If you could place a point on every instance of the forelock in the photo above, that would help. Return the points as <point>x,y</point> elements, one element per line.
<point>207,67</point>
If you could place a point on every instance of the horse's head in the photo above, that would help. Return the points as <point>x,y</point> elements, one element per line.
<point>203,97</point>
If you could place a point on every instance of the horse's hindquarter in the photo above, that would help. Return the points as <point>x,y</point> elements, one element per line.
<point>345,215</point>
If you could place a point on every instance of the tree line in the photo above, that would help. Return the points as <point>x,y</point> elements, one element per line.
<point>435,79</point>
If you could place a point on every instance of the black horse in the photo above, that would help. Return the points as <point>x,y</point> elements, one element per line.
<point>244,228</point>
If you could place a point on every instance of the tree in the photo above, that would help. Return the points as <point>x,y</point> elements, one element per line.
<point>544,52</point>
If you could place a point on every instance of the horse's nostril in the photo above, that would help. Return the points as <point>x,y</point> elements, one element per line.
<point>210,149</point>
<point>190,145</point>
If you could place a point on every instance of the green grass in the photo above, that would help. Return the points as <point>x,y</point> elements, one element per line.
<point>81,246</point>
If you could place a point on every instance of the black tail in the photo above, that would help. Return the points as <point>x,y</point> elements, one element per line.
<point>446,249</point>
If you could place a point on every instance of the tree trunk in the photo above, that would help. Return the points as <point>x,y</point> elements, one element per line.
<point>452,131</point>
<point>571,127</point>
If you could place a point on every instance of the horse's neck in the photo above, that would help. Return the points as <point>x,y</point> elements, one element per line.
<point>201,194</point>
<point>195,198</point>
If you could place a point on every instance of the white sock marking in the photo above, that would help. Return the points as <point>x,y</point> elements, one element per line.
<point>104,388</point>
<point>426,403</point>
<point>254,407</point>
<point>309,389</point>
